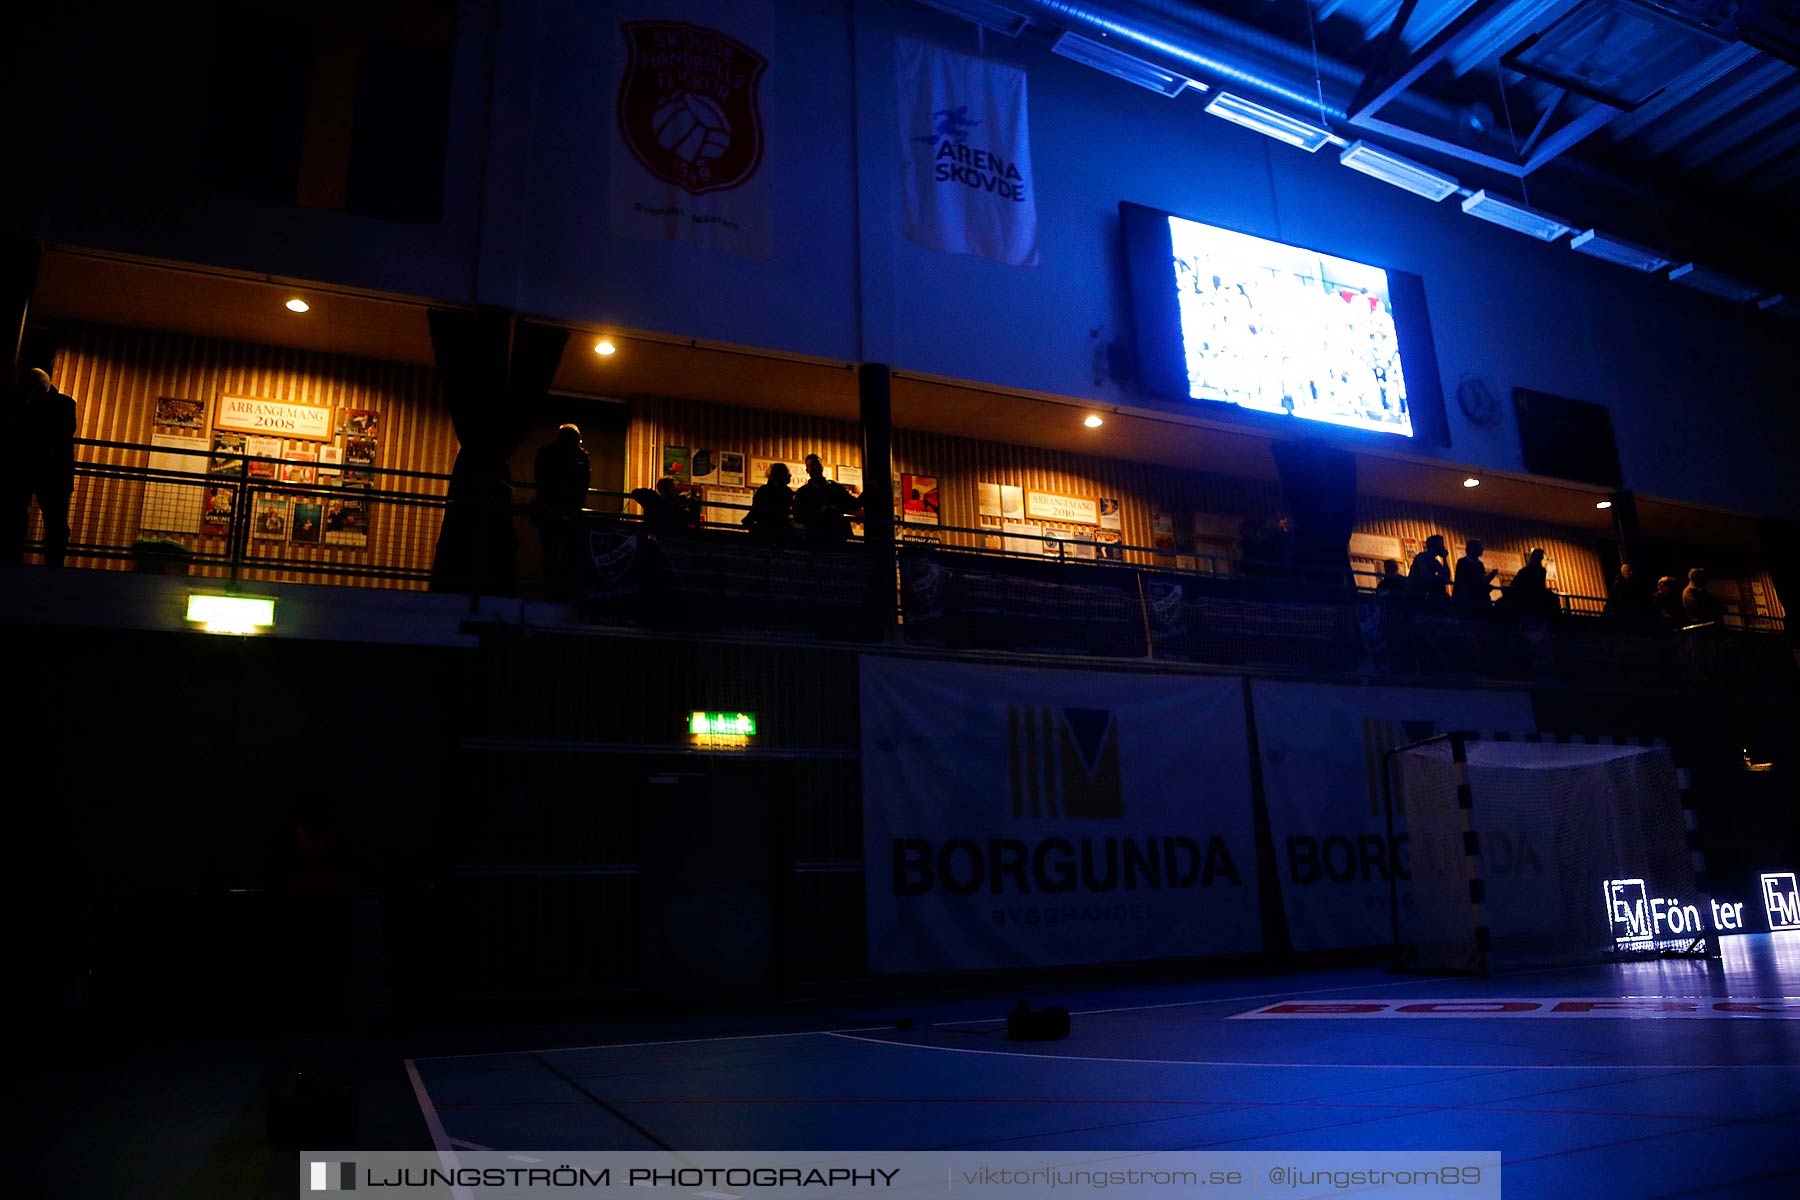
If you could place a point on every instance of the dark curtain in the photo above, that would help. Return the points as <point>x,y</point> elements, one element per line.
<point>494,371</point>
<point>1318,484</point>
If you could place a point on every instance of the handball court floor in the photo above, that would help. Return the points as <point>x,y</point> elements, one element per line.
<point>1639,1105</point>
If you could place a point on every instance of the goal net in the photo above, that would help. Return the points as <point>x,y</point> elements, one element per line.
<point>1537,853</point>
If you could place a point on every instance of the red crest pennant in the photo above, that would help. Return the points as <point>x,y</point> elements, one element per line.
<point>688,107</point>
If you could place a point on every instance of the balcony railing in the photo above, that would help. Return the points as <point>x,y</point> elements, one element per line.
<point>247,520</point>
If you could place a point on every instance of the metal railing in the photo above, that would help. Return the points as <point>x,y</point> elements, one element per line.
<point>245,519</point>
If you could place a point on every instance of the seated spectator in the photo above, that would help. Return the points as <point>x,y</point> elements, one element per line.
<point>1430,574</point>
<point>772,507</point>
<point>1392,581</point>
<point>1530,591</point>
<point>1474,582</point>
<point>1701,606</point>
<point>1626,597</point>
<point>822,506</point>
<point>1666,603</point>
<point>667,509</point>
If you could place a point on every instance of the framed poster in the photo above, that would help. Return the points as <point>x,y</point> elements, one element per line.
<point>715,512</point>
<point>1012,502</point>
<point>1022,538</point>
<point>228,449</point>
<point>850,477</point>
<point>704,468</point>
<point>1110,515</point>
<point>307,524</point>
<point>346,522</point>
<point>220,504</point>
<point>731,468</point>
<point>271,520</point>
<point>987,499</point>
<point>677,463</point>
<point>263,447</point>
<point>919,499</point>
<point>1107,546</point>
<point>297,466</point>
<point>362,422</point>
<point>175,415</point>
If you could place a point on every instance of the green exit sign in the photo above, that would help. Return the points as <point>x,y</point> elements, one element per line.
<point>722,724</point>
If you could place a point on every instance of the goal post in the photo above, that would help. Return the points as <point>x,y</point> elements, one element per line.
<point>1534,850</point>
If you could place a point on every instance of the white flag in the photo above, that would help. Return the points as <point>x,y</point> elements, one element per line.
<point>966,155</point>
<point>689,143</point>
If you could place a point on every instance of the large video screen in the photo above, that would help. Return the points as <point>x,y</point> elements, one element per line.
<point>1235,319</point>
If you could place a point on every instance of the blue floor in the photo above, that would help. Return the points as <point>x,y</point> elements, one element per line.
<point>1643,1103</point>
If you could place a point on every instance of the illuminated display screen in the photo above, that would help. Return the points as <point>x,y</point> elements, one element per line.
<point>1284,330</point>
<point>1274,334</point>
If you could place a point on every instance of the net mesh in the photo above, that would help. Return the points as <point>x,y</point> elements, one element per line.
<point>1576,846</point>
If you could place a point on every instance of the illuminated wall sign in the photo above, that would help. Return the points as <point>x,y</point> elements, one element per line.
<point>1781,897</point>
<point>1637,918</point>
<point>231,614</point>
<point>279,418</point>
<point>721,730</point>
<point>1076,510</point>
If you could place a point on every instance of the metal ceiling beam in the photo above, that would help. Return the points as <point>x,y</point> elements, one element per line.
<point>1668,134</point>
<point>1383,85</point>
<point>1754,155</point>
<point>1580,126</point>
<point>1764,120</point>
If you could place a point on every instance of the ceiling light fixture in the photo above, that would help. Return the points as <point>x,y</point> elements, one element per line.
<point>1092,421</point>
<point>1603,504</point>
<point>1713,283</point>
<point>605,347</point>
<point>1121,65</point>
<point>1618,250</point>
<point>1268,122</point>
<point>1515,216</point>
<point>1398,170</point>
<point>297,305</point>
<point>1471,481</point>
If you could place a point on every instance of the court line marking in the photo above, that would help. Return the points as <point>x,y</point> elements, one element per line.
<point>1086,1012</point>
<point>1328,1066</point>
<point>435,1127</point>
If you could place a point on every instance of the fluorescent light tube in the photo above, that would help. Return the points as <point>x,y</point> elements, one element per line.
<point>1618,250</point>
<point>1121,65</point>
<point>997,17</point>
<point>1714,283</point>
<point>1267,121</point>
<point>1404,173</point>
<point>1515,216</point>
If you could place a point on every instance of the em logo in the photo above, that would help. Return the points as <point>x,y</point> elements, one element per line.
<point>1628,910</point>
<point>1781,897</point>
<point>1064,762</point>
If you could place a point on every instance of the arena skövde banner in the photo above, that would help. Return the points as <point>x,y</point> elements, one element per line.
<point>1022,817</point>
<point>965,155</point>
<point>1322,747</point>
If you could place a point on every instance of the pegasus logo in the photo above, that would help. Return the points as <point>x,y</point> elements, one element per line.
<point>1064,762</point>
<point>953,124</point>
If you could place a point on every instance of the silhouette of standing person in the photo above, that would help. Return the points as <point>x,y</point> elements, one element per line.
<point>1392,581</point>
<point>45,466</point>
<point>1530,590</point>
<point>1700,605</point>
<point>562,473</point>
<point>823,506</point>
<point>1473,581</point>
<point>1430,574</point>
<point>772,507</point>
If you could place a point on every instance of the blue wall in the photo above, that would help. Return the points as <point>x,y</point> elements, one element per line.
<point>1693,385</point>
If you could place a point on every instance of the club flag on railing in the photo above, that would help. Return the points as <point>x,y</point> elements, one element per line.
<point>966,155</point>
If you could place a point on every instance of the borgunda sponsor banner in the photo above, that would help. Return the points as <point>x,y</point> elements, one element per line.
<point>689,146</point>
<point>1024,817</point>
<point>966,155</point>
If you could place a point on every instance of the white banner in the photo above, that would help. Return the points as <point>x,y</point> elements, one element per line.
<point>966,155</point>
<point>1322,748</point>
<point>689,138</point>
<point>1018,817</point>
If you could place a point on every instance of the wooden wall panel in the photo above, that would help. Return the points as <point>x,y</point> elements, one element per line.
<point>116,376</point>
